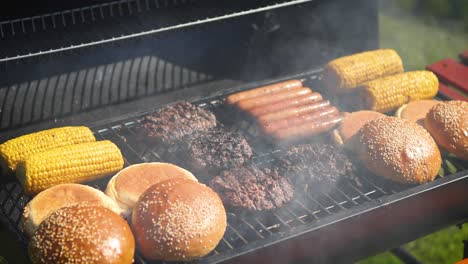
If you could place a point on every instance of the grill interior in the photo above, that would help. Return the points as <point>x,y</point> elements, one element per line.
<point>245,231</point>
<point>115,21</point>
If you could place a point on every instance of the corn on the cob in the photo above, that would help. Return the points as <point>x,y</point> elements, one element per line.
<point>389,93</point>
<point>69,164</point>
<point>346,73</point>
<point>17,149</point>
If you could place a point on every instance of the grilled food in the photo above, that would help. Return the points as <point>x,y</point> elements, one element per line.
<point>448,124</point>
<point>296,101</point>
<point>399,150</point>
<point>315,166</point>
<point>253,188</point>
<point>344,74</point>
<point>172,123</point>
<point>264,100</point>
<point>416,111</point>
<point>351,123</point>
<point>264,90</point>
<point>54,198</point>
<point>128,184</point>
<point>18,149</point>
<point>83,233</point>
<point>209,152</point>
<point>177,220</point>
<point>389,93</point>
<point>69,164</point>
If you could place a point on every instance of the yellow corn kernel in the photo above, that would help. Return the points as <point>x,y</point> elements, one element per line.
<point>69,164</point>
<point>17,149</point>
<point>389,93</point>
<point>346,73</point>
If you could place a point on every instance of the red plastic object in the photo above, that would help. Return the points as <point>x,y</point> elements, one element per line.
<point>451,93</point>
<point>453,73</point>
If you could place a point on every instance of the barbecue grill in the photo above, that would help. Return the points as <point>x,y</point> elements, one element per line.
<point>108,64</point>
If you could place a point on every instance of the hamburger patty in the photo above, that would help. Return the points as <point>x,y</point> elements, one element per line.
<point>172,123</point>
<point>209,152</point>
<point>253,188</point>
<point>314,166</point>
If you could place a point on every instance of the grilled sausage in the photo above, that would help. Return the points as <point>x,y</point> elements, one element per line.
<point>272,98</point>
<point>306,129</point>
<point>292,111</point>
<point>297,101</point>
<point>325,112</point>
<point>264,90</point>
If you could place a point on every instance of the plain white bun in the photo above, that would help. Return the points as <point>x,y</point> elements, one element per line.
<point>54,198</point>
<point>127,185</point>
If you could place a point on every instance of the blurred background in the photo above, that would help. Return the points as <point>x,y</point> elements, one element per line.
<point>423,32</point>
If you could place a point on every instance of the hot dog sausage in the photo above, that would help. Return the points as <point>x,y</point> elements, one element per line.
<point>321,113</point>
<point>293,111</point>
<point>297,101</point>
<point>305,130</point>
<point>272,98</point>
<point>264,90</point>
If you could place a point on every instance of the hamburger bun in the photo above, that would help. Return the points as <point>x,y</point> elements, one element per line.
<point>48,201</point>
<point>127,185</point>
<point>178,219</point>
<point>448,124</point>
<point>398,149</point>
<point>416,111</point>
<point>351,123</point>
<point>83,233</point>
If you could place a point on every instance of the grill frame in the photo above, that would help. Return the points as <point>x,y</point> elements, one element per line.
<point>330,235</point>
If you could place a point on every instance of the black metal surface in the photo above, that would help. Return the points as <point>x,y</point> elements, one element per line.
<point>405,256</point>
<point>95,25</point>
<point>353,221</point>
<point>252,47</point>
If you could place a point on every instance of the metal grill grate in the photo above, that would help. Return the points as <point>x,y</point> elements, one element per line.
<point>245,231</point>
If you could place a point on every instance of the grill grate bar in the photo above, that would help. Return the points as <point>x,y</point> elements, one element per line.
<point>252,228</point>
<point>352,200</point>
<point>264,228</point>
<point>307,209</point>
<point>296,217</point>
<point>238,234</point>
<point>323,208</point>
<point>381,190</point>
<point>359,191</point>
<point>339,204</point>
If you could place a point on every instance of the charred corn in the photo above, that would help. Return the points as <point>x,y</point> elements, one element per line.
<point>69,164</point>
<point>346,73</point>
<point>17,149</point>
<point>389,93</point>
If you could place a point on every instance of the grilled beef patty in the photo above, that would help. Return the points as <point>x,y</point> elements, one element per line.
<point>209,152</point>
<point>252,188</point>
<point>314,166</point>
<point>172,123</point>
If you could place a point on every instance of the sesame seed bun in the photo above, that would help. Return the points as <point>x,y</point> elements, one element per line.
<point>416,110</point>
<point>448,124</point>
<point>127,185</point>
<point>83,233</point>
<point>178,219</point>
<point>399,150</point>
<point>351,123</point>
<point>48,201</point>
